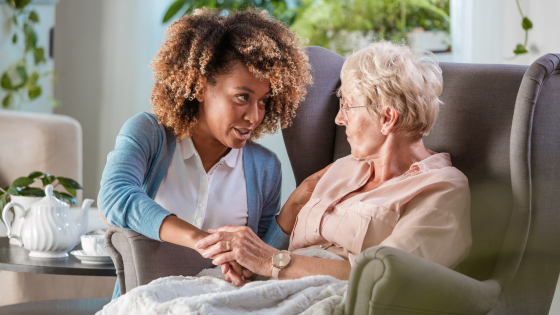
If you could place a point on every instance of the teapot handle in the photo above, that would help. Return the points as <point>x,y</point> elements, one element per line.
<point>18,215</point>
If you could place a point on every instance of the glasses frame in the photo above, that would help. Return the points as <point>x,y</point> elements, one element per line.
<point>345,110</point>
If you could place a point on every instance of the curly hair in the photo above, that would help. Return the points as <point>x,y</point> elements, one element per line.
<point>200,46</point>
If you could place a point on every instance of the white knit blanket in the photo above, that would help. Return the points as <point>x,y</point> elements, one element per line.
<point>208,293</point>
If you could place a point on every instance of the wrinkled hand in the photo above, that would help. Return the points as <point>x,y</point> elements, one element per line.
<point>247,249</point>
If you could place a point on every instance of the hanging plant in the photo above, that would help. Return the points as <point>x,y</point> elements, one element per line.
<point>20,80</point>
<point>526,24</point>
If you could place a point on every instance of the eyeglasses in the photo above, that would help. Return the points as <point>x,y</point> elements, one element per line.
<point>345,109</point>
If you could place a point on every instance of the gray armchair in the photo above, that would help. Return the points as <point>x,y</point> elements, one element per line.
<point>509,150</point>
<point>506,147</point>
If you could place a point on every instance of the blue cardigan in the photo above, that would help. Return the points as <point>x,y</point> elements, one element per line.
<point>139,162</point>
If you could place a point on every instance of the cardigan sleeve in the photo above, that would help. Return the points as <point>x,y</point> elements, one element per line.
<point>122,199</point>
<point>273,234</point>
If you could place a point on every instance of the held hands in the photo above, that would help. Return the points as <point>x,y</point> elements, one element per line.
<point>246,249</point>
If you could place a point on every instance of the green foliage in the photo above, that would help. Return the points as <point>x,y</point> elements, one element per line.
<point>21,187</point>
<point>284,10</point>
<point>320,21</point>
<point>21,79</point>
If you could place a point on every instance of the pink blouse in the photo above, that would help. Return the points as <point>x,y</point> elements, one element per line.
<point>425,211</point>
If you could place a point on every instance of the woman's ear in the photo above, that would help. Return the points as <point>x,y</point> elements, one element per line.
<point>200,96</point>
<point>389,120</point>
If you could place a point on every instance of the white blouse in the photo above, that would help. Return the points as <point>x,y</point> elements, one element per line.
<point>205,200</point>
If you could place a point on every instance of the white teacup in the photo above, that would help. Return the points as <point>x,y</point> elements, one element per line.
<point>94,245</point>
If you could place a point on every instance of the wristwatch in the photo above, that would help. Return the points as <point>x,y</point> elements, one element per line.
<point>280,260</point>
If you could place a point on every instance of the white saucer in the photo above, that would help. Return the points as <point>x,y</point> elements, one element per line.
<point>93,260</point>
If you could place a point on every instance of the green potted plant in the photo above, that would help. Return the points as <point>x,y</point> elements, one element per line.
<point>22,192</point>
<point>21,81</point>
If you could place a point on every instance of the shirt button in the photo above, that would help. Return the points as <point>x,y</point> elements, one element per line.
<point>198,221</point>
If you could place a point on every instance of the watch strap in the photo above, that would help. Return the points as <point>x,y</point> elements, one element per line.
<point>275,273</point>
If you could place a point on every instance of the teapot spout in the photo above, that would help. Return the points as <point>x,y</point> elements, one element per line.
<point>82,220</point>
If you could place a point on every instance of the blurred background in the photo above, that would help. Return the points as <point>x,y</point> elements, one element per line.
<point>90,59</point>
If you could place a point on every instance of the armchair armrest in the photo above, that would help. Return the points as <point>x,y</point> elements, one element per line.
<point>139,260</point>
<point>386,280</point>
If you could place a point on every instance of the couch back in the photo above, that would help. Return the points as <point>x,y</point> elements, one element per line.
<point>474,126</point>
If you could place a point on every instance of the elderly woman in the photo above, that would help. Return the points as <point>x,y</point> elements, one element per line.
<point>391,190</point>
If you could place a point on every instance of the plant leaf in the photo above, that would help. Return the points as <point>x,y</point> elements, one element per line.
<point>173,9</point>
<point>3,202</point>
<point>66,197</point>
<point>6,102</point>
<point>48,179</point>
<point>5,82</point>
<point>33,77</point>
<point>34,175</point>
<point>34,92</point>
<point>23,181</point>
<point>39,55</point>
<point>520,49</point>
<point>32,192</point>
<point>14,38</point>
<point>33,17</point>
<point>20,4</point>
<point>21,71</point>
<point>527,24</point>
<point>53,101</point>
<point>12,190</point>
<point>68,182</point>
<point>70,190</point>
<point>30,37</point>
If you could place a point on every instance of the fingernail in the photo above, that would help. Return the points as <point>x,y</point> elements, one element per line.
<point>204,254</point>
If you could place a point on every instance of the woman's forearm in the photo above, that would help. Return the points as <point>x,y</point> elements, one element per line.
<point>301,266</point>
<point>177,231</point>
<point>287,217</point>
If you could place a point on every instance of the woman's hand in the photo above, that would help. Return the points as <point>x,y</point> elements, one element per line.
<point>235,273</point>
<point>303,192</point>
<point>246,248</point>
<point>297,200</point>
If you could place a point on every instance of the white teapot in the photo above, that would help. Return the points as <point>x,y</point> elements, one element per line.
<point>48,231</point>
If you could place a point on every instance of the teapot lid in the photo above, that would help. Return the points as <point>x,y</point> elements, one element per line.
<point>49,200</point>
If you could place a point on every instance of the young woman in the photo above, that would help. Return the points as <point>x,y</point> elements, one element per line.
<point>220,82</point>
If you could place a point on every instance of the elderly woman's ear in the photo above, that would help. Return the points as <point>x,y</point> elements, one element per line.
<point>389,120</point>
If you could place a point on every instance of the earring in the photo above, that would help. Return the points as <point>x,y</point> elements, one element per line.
<point>382,132</point>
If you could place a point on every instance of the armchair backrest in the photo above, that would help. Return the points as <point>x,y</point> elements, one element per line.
<point>476,126</point>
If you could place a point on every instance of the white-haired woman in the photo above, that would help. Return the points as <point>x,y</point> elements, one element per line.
<point>391,191</point>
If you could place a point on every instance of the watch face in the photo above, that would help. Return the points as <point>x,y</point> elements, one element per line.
<point>281,259</point>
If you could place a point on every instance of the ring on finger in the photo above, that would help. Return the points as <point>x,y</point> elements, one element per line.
<point>228,246</point>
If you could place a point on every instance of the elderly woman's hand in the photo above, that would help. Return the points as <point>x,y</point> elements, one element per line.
<point>297,200</point>
<point>246,248</point>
